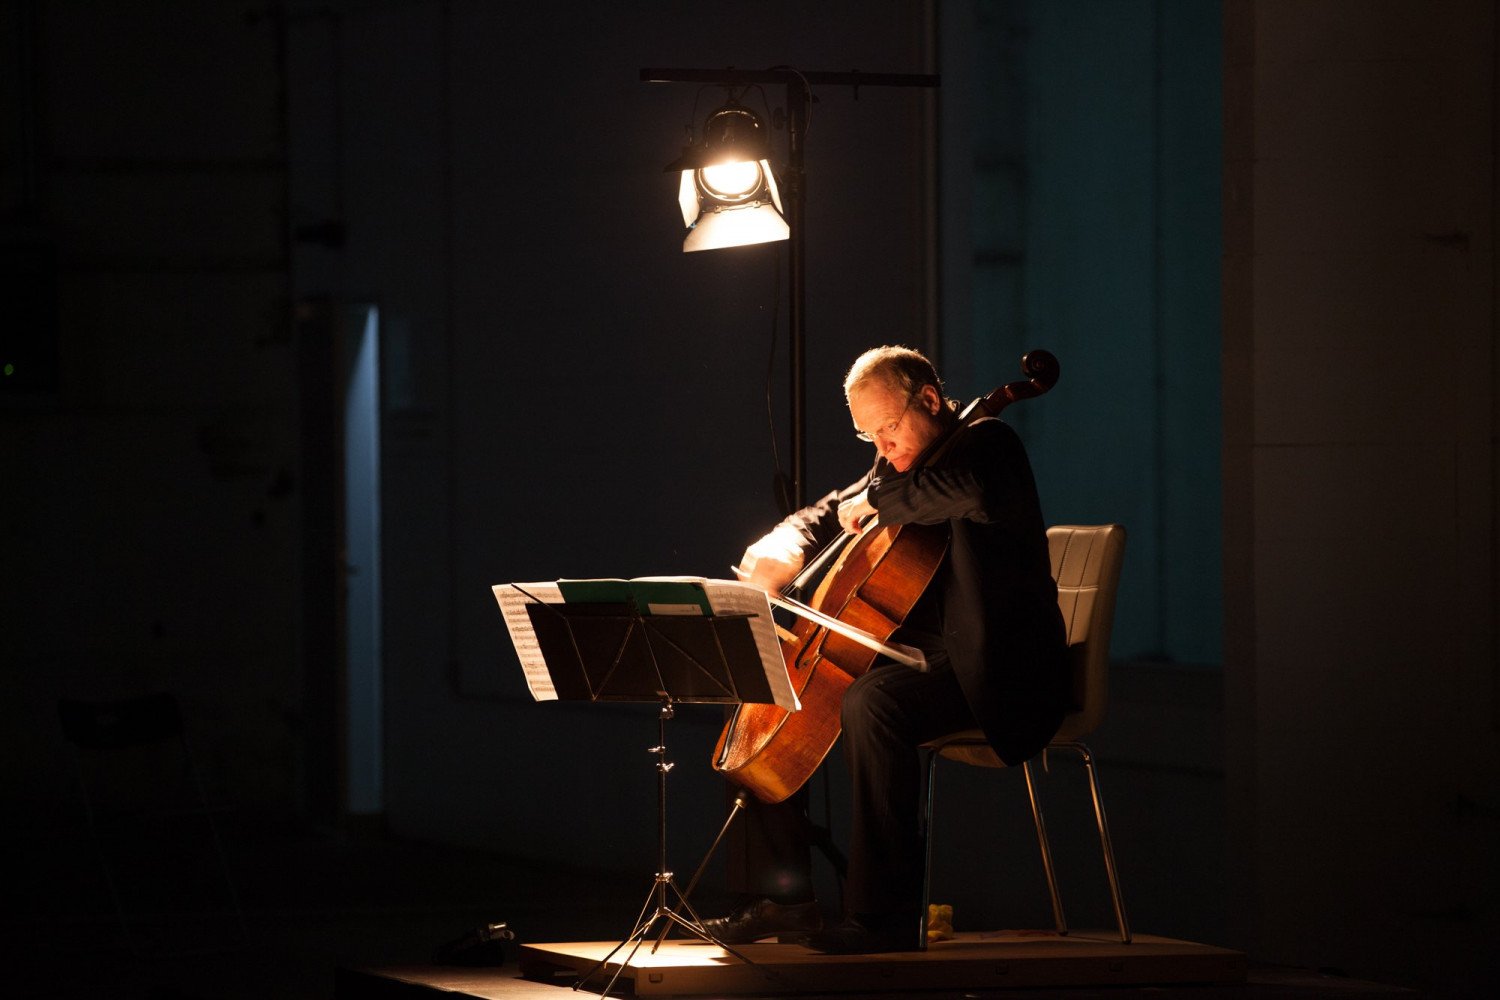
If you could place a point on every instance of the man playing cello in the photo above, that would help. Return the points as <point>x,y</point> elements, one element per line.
<point>988,624</point>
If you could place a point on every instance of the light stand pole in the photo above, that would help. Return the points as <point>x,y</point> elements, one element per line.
<point>797,96</point>
<point>798,93</point>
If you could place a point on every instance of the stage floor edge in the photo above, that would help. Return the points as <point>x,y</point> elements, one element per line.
<point>971,961</point>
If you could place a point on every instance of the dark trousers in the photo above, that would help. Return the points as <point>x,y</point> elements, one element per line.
<point>888,712</point>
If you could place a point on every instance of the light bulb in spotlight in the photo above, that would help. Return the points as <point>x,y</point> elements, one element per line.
<point>731,180</point>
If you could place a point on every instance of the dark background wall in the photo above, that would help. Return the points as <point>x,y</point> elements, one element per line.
<point>1359,543</point>
<point>210,187</point>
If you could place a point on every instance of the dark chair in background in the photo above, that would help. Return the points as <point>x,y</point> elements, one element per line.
<point>152,825</point>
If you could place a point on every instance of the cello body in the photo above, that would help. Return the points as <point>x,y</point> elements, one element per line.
<point>772,752</point>
<point>873,586</point>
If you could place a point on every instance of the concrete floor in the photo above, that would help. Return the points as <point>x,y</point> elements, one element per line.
<point>317,901</point>
<point>313,901</point>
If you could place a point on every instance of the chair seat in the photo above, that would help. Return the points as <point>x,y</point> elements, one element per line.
<point>969,746</point>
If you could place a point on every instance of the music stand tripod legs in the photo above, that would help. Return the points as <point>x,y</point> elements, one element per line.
<point>663,881</point>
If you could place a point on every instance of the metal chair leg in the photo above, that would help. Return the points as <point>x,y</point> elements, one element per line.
<point>1041,837</point>
<point>932,759</point>
<point>1102,821</point>
<point>1105,844</point>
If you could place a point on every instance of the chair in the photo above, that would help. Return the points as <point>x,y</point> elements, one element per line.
<point>152,826</point>
<point>1086,565</point>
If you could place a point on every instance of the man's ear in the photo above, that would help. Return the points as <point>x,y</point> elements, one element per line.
<point>932,400</point>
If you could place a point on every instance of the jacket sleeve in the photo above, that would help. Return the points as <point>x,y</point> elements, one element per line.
<point>983,479</point>
<point>818,523</point>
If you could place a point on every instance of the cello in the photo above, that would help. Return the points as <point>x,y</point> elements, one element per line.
<point>872,586</point>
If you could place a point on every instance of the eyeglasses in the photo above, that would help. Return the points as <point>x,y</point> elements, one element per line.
<point>886,431</point>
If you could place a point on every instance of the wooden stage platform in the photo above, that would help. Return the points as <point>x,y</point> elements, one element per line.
<point>1002,960</point>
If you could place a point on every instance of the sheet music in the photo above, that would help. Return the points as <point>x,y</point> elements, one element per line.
<point>725,597</point>
<point>518,622</point>
<point>731,597</point>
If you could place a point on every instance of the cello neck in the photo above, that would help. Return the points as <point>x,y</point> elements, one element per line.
<point>1041,369</point>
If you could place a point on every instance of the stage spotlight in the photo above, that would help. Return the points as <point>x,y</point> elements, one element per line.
<point>728,192</point>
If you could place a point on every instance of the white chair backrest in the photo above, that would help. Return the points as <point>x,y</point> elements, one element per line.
<point>1086,563</point>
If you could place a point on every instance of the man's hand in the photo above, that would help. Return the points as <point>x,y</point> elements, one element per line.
<point>855,511</point>
<point>774,561</point>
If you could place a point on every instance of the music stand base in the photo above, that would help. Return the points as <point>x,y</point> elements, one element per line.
<point>663,880</point>
<point>669,917</point>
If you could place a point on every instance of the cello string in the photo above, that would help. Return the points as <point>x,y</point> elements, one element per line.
<point>826,553</point>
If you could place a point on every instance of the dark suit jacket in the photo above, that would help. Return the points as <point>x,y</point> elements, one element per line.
<point>1001,626</point>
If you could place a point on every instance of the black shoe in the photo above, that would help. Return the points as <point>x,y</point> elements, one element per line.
<point>854,937</point>
<point>761,918</point>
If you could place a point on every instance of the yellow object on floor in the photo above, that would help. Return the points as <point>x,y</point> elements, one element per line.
<point>939,922</point>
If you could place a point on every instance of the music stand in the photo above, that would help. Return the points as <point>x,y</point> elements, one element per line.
<point>610,651</point>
